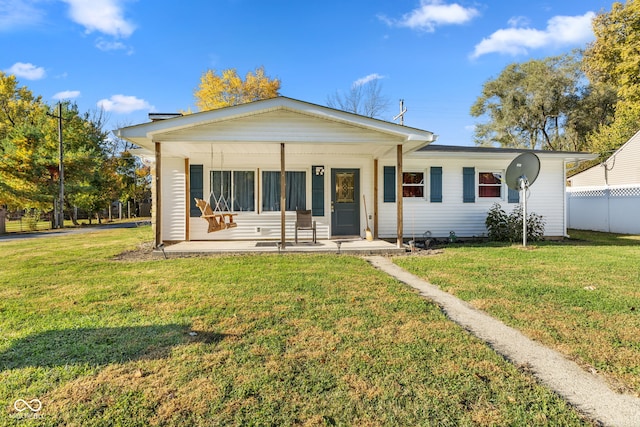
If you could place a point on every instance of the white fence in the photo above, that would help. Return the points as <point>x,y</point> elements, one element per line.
<point>613,209</point>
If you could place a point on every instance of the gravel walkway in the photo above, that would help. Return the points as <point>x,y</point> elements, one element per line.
<point>588,392</point>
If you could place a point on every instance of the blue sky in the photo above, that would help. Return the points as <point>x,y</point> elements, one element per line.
<point>134,57</point>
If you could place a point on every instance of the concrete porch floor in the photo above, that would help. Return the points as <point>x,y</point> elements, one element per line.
<point>351,246</point>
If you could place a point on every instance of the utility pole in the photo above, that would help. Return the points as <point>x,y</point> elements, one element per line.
<point>60,169</point>
<point>58,208</point>
<point>401,114</point>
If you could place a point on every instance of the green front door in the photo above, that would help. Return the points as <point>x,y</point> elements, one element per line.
<point>345,202</point>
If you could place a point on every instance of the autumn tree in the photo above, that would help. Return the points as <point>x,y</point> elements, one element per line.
<point>228,88</point>
<point>364,98</point>
<point>27,149</point>
<point>29,154</point>
<point>612,60</point>
<point>541,104</point>
<point>129,177</point>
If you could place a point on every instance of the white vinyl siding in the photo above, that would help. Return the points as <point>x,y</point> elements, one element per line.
<point>266,225</point>
<point>546,198</point>
<point>174,206</point>
<point>622,168</point>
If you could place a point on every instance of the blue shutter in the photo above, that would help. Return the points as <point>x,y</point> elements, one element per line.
<point>317,190</point>
<point>514,196</point>
<point>468,185</point>
<point>436,184</point>
<point>389,184</point>
<point>196,188</point>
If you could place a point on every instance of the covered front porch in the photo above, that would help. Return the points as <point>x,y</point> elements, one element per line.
<point>270,158</point>
<point>347,246</point>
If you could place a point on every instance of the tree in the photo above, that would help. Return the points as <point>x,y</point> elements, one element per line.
<point>541,104</point>
<point>29,153</point>
<point>227,89</point>
<point>363,98</point>
<point>612,59</point>
<point>27,150</point>
<point>87,184</point>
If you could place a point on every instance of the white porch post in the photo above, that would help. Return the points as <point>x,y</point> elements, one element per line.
<point>158,201</point>
<point>283,200</point>
<point>400,207</point>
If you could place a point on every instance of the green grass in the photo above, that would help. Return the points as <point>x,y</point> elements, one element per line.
<point>581,296</point>
<point>239,340</point>
<point>23,225</point>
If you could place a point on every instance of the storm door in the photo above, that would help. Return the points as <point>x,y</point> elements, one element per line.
<point>345,202</point>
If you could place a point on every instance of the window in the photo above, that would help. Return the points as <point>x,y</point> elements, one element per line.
<point>238,193</point>
<point>489,185</point>
<point>412,184</point>
<point>296,197</point>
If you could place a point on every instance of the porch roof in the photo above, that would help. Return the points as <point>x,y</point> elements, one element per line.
<point>259,127</point>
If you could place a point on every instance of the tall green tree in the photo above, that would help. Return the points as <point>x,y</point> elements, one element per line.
<point>541,104</point>
<point>87,183</point>
<point>27,147</point>
<point>29,154</point>
<point>612,59</point>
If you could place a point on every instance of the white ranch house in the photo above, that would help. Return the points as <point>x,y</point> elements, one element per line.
<point>330,160</point>
<point>606,197</point>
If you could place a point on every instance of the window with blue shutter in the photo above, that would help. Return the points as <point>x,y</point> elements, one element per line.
<point>435,181</point>
<point>389,184</point>
<point>196,188</point>
<point>468,185</point>
<point>514,196</point>
<point>317,190</point>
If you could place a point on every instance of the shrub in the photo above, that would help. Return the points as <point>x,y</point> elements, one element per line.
<point>32,217</point>
<point>508,228</point>
<point>497,223</point>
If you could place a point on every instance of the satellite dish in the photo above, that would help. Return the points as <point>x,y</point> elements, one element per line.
<point>522,171</point>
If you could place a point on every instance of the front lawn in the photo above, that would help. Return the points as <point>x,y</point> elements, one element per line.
<point>581,296</point>
<point>239,340</point>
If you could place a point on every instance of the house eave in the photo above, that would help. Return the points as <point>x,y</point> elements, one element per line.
<point>442,151</point>
<point>146,134</point>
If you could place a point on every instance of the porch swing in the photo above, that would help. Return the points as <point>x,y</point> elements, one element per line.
<point>220,216</point>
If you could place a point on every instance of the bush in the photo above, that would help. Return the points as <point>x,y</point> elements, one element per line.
<point>32,217</point>
<point>508,228</point>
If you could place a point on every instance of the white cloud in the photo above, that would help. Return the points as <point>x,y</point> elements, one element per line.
<point>19,13</point>
<point>124,104</point>
<point>519,21</point>
<point>560,31</point>
<point>106,46</point>
<point>27,71</point>
<point>366,79</point>
<point>433,13</point>
<point>104,16</point>
<point>66,94</point>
